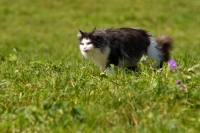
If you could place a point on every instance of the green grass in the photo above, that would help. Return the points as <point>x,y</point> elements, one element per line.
<point>47,86</point>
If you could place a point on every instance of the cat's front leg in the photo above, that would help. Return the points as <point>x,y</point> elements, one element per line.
<point>110,70</point>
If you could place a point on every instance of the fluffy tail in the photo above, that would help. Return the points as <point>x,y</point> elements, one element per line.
<point>165,45</point>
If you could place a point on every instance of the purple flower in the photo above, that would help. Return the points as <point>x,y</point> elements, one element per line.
<point>172,64</point>
<point>178,82</point>
<point>183,88</point>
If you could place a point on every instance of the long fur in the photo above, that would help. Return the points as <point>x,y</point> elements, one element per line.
<point>123,47</point>
<point>165,45</point>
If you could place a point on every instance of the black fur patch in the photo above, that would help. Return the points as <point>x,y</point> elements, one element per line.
<point>126,44</point>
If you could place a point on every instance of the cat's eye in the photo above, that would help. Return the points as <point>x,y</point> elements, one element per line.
<point>80,43</point>
<point>88,43</point>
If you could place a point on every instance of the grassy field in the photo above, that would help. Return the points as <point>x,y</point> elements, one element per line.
<point>47,86</point>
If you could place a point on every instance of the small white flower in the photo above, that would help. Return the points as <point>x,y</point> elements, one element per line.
<point>16,71</point>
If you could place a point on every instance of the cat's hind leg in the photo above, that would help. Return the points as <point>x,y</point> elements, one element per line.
<point>154,53</point>
<point>132,68</point>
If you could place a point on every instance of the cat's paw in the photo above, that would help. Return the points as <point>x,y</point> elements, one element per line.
<point>110,70</point>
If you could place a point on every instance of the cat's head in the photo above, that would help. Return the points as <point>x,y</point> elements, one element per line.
<point>91,42</point>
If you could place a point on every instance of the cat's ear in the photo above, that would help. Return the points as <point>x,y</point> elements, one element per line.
<point>95,36</point>
<point>94,30</point>
<point>80,34</point>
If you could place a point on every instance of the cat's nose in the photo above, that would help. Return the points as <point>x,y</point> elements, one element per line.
<point>85,50</point>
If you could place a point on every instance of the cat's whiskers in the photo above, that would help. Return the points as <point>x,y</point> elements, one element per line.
<point>92,53</point>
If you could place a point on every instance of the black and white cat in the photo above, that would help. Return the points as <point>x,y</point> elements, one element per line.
<point>123,47</point>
